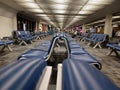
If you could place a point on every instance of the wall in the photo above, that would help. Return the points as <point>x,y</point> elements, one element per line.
<point>8,21</point>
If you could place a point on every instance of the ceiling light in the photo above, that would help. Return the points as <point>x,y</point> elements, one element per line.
<point>29,5</point>
<point>42,15</point>
<point>78,17</point>
<point>24,0</point>
<point>60,19</point>
<point>36,10</point>
<point>114,17</point>
<point>91,7</point>
<point>100,1</point>
<point>85,12</point>
<point>59,11</point>
<point>59,16</point>
<point>60,1</point>
<point>46,18</point>
<point>59,6</point>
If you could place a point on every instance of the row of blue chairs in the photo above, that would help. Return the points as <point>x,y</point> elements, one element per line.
<point>97,39</point>
<point>6,44</point>
<point>80,54</point>
<point>40,35</point>
<point>80,70</point>
<point>28,72</point>
<point>79,75</point>
<point>82,36</point>
<point>25,36</point>
<point>115,47</point>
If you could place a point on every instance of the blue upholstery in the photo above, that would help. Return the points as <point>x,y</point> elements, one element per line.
<point>79,75</point>
<point>92,37</point>
<point>22,75</point>
<point>81,36</point>
<point>5,44</point>
<point>24,37</point>
<point>1,43</point>
<point>40,34</point>
<point>44,46</point>
<point>97,39</point>
<point>114,48</point>
<point>40,51</point>
<point>87,58</point>
<point>28,35</point>
<point>77,51</point>
<point>74,46</point>
<point>32,54</point>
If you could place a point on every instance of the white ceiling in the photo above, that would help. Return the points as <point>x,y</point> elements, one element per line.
<point>63,13</point>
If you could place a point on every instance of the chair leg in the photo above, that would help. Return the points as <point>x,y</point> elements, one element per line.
<point>3,48</point>
<point>88,43</point>
<point>116,53</point>
<point>113,50</point>
<point>109,53</point>
<point>96,45</point>
<point>9,48</point>
<point>37,38</point>
<point>82,39</point>
<point>23,42</point>
<point>99,45</point>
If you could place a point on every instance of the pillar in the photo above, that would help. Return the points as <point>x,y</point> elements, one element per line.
<point>84,28</point>
<point>108,25</point>
<point>15,22</point>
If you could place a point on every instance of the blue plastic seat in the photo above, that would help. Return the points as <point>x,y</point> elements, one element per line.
<point>22,75</point>
<point>33,54</point>
<point>114,48</point>
<point>23,37</point>
<point>79,75</point>
<point>6,44</point>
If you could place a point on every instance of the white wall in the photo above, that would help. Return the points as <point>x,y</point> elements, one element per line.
<point>8,21</point>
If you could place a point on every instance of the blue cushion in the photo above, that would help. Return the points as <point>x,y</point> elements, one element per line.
<point>32,54</point>
<point>114,46</point>
<point>1,43</point>
<point>78,51</point>
<point>74,46</point>
<point>79,75</point>
<point>22,75</point>
<point>87,58</point>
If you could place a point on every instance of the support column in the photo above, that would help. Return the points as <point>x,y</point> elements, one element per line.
<point>24,26</point>
<point>36,26</point>
<point>108,25</point>
<point>84,28</point>
<point>15,22</point>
